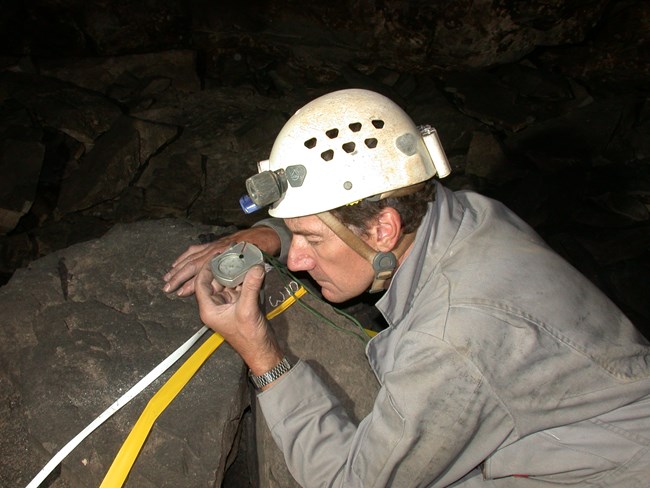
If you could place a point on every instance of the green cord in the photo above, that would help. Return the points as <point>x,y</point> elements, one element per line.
<point>284,273</point>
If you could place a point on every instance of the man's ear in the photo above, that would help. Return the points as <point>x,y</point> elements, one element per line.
<point>387,229</point>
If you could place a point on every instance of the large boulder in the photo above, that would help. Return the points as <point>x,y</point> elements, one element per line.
<point>81,326</point>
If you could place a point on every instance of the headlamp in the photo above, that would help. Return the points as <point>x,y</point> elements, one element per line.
<point>263,189</point>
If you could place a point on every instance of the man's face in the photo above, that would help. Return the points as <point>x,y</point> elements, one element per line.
<point>340,272</point>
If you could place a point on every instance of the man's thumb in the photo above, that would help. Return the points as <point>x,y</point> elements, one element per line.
<point>253,279</point>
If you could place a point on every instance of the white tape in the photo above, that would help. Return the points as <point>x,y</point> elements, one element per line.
<point>123,400</point>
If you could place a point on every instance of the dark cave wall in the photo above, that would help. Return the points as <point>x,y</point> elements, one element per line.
<point>603,38</point>
<point>121,111</point>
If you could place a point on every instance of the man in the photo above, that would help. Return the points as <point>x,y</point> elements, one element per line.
<point>501,365</point>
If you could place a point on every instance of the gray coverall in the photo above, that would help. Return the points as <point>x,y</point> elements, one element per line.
<point>501,366</point>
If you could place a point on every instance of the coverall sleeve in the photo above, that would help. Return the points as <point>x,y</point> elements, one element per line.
<point>283,232</point>
<point>433,421</point>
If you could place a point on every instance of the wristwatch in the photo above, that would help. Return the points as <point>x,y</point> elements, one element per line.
<point>271,375</point>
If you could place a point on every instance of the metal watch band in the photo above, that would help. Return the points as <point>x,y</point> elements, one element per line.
<point>271,375</point>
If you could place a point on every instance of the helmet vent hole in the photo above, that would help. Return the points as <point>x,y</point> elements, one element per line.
<point>332,133</point>
<point>348,147</point>
<point>379,124</point>
<point>371,143</point>
<point>311,143</point>
<point>327,155</point>
<point>355,127</point>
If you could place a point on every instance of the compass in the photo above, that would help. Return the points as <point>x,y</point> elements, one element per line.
<point>230,267</point>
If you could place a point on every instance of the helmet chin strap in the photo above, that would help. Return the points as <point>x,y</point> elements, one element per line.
<point>383,263</point>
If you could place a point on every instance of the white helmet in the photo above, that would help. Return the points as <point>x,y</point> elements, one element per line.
<point>343,147</point>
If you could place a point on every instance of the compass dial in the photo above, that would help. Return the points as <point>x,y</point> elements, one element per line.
<point>230,267</point>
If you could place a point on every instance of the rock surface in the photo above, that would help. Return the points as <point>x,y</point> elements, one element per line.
<point>83,325</point>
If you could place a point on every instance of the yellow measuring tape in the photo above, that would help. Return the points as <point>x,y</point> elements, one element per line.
<point>129,451</point>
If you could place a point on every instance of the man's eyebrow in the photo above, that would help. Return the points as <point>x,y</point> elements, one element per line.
<point>300,230</point>
<point>304,232</point>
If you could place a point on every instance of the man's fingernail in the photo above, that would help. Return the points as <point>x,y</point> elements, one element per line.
<point>167,287</point>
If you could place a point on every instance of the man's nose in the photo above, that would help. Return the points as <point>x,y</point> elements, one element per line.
<point>299,259</point>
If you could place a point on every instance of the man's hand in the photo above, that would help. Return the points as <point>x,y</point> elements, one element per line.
<point>188,264</point>
<point>235,314</point>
